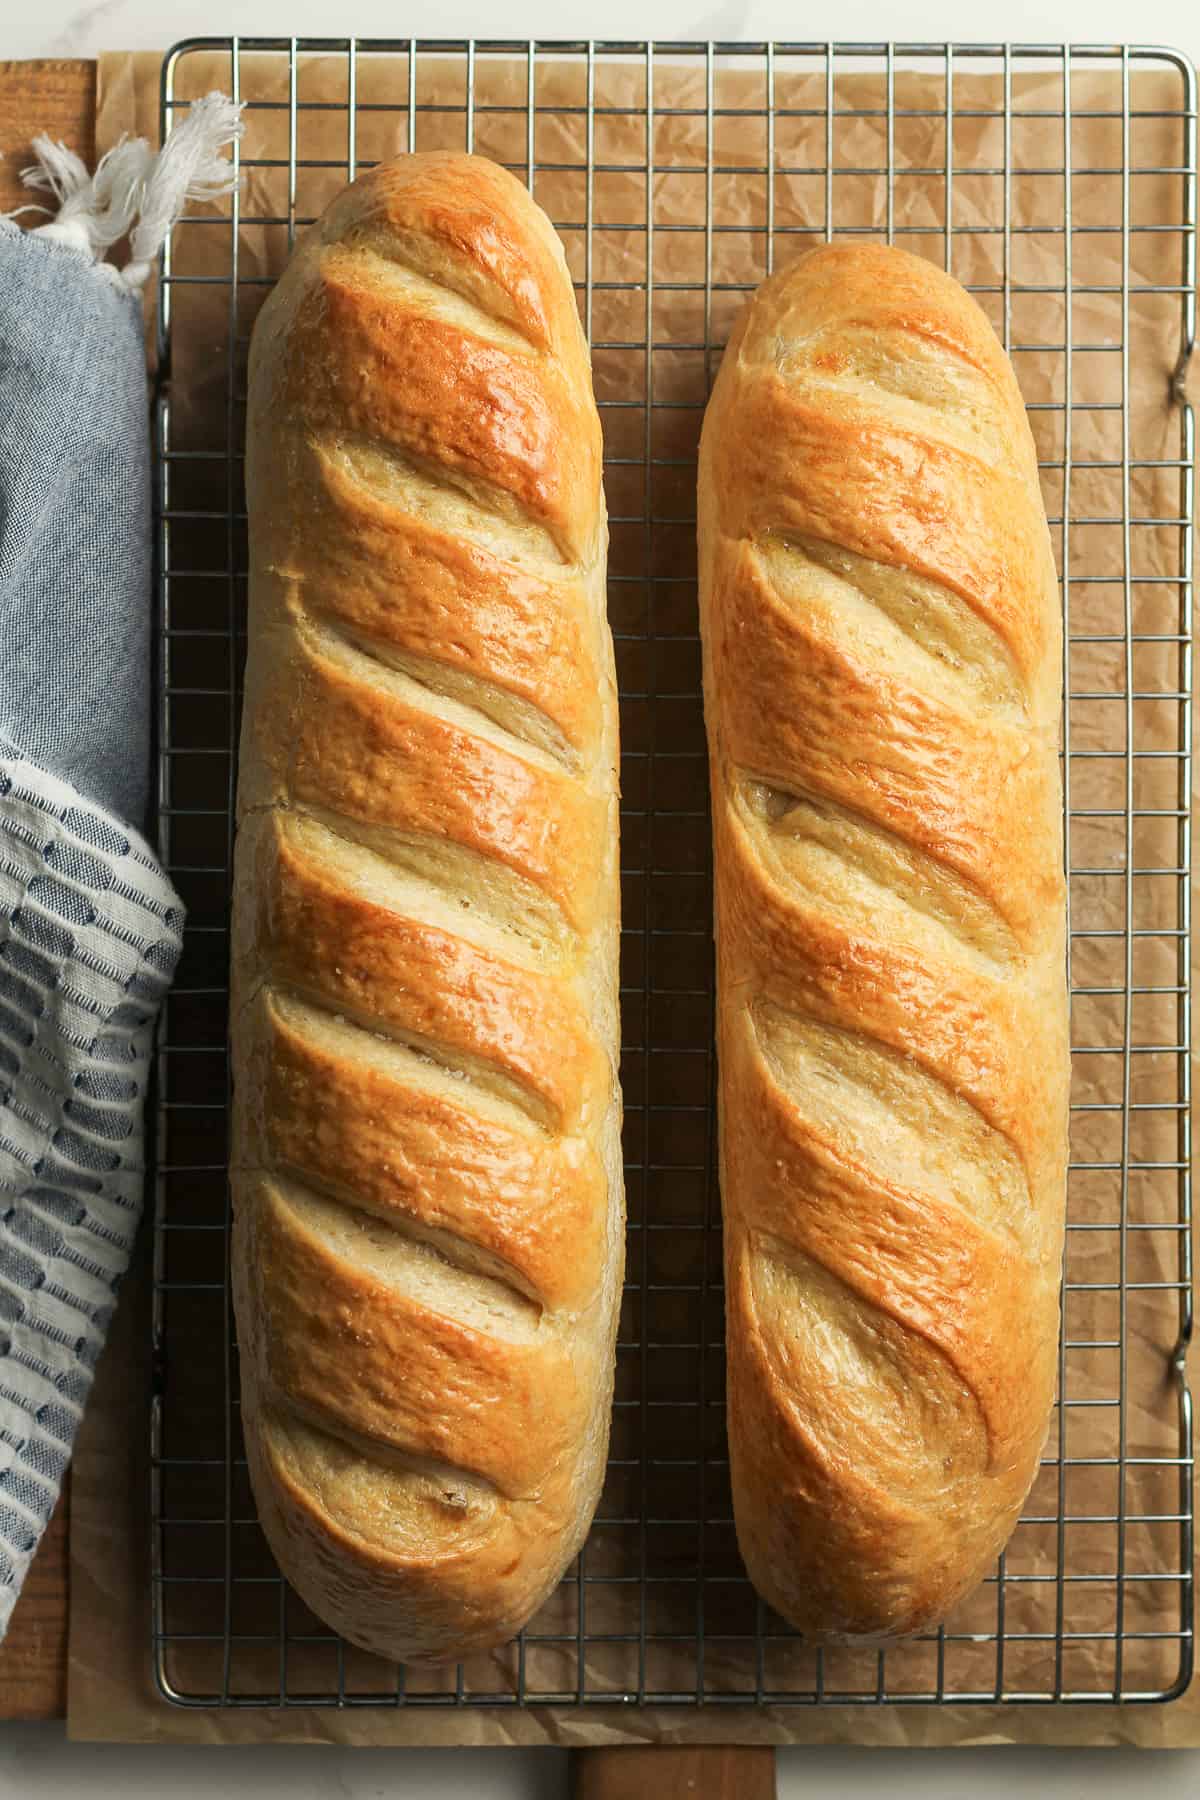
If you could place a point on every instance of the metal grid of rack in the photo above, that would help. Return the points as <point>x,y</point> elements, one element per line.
<point>1060,184</point>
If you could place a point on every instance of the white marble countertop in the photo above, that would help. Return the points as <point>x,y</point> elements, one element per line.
<point>63,28</point>
<point>36,1763</point>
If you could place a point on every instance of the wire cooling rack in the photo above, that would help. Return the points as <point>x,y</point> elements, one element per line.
<point>1060,184</point>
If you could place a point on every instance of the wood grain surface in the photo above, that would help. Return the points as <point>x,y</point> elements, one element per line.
<point>674,1772</point>
<point>33,1657</point>
<point>58,98</point>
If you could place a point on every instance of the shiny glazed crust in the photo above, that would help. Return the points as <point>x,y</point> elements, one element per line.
<point>882,642</point>
<point>426,1162</point>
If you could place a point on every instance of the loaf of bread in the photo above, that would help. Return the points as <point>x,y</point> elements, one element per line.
<point>883,667</point>
<point>428,1237</point>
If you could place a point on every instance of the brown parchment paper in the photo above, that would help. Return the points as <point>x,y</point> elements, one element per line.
<point>111,1694</point>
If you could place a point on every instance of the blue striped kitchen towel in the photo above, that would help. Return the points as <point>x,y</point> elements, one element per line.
<point>90,928</point>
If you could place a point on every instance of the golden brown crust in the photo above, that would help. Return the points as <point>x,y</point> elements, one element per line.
<point>425,1156</point>
<point>474,409</point>
<point>362,1356</point>
<point>882,675</point>
<point>428,1233</point>
<point>403,767</point>
<point>393,578</point>
<point>422,981</point>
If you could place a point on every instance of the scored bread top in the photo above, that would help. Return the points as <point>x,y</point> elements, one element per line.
<point>883,668</point>
<point>426,1130</point>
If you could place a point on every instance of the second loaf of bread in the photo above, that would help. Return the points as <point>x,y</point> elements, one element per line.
<point>882,640</point>
<point>426,1163</point>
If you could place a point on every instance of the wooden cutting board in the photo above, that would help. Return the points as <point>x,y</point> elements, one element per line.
<point>59,98</point>
<point>33,1657</point>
